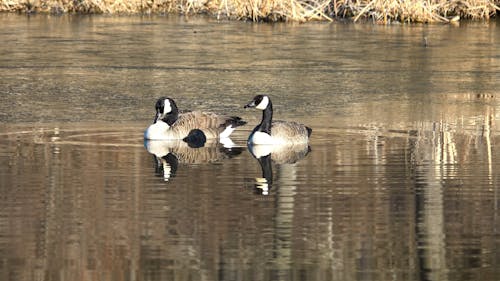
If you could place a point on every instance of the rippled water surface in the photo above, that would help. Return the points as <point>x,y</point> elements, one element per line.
<point>400,180</point>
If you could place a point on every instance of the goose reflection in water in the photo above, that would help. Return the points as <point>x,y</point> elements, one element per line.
<point>283,154</point>
<point>194,149</point>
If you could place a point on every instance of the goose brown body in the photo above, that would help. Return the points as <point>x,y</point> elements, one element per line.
<point>287,132</point>
<point>210,123</point>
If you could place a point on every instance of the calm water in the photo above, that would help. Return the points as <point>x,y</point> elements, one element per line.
<point>400,182</point>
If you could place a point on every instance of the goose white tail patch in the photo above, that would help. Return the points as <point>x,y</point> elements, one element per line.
<point>225,134</point>
<point>264,103</point>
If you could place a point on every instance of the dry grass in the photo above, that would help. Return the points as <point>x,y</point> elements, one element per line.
<point>380,11</point>
<point>423,11</point>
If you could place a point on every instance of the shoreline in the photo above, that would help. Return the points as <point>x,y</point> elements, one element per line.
<point>377,11</point>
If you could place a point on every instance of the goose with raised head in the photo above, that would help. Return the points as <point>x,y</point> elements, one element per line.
<point>171,124</point>
<point>271,131</point>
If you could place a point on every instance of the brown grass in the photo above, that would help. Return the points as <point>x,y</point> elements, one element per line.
<point>380,11</point>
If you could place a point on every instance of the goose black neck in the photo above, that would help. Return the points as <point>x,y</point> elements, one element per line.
<point>267,118</point>
<point>171,117</point>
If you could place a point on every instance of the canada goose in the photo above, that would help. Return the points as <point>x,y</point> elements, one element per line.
<point>275,132</point>
<point>169,123</point>
<point>169,154</point>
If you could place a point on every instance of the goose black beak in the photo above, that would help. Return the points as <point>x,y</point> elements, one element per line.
<point>157,117</point>
<point>251,104</point>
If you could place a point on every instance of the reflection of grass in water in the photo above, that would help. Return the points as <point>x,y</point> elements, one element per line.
<point>381,11</point>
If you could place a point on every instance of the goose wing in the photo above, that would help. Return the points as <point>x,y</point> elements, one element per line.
<point>210,123</point>
<point>203,120</point>
<point>289,130</point>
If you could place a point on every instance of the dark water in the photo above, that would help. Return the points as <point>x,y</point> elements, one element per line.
<point>401,181</point>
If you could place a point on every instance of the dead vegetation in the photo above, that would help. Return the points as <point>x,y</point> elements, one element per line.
<point>379,11</point>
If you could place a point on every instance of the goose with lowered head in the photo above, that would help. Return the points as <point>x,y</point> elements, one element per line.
<point>169,123</point>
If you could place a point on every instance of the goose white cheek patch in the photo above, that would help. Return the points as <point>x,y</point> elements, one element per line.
<point>167,107</point>
<point>263,104</point>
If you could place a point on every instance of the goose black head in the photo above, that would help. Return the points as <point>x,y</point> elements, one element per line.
<point>260,102</point>
<point>166,110</point>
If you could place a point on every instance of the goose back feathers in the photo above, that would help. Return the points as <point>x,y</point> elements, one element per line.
<point>282,132</point>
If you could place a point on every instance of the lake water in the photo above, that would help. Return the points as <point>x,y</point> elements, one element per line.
<point>400,180</point>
